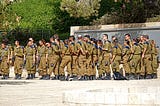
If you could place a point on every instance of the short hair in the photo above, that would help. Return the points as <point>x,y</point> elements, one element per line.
<point>128,35</point>
<point>87,36</point>
<point>106,35</point>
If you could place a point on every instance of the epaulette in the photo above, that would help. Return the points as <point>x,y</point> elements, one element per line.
<point>136,44</point>
<point>109,41</point>
<point>66,46</point>
<point>22,47</point>
<point>72,43</point>
<point>127,47</point>
<point>116,47</point>
<point>95,46</point>
<point>79,43</point>
<point>32,46</point>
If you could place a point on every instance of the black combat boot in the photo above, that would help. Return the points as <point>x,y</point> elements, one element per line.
<point>32,76</point>
<point>19,76</point>
<point>108,77</point>
<point>16,76</point>
<point>6,77</point>
<point>47,77</point>
<point>148,76</point>
<point>3,77</point>
<point>154,76</point>
<point>28,77</point>
<point>42,77</point>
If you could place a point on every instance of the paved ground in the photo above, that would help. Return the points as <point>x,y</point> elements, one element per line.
<point>50,93</point>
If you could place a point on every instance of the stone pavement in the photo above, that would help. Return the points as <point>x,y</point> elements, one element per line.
<point>51,93</point>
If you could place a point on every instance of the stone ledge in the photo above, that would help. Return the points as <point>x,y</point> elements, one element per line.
<point>115,96</point>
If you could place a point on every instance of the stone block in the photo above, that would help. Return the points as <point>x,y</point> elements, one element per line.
<point>110,99</point>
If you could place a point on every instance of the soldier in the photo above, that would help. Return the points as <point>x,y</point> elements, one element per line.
<point>19,58</point>
<point>100,58</point>
<point>154,54</point>
<point>116,56</point>
<point>135,60</point>
<point>58,50</point>
<point>66,61</point>
<point>74,55</point>
<point>42,59</point>
<point>146,56</point>
<point>126,55</point>
<point>81,46</point>
<point>5,61</point>
<point>34,45</point>
<point>106,56</point>
<point>30,53</point>
<point>88,56</point>
<point>94,58</point>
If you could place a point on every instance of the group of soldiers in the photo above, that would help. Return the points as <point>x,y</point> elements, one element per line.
<point>82,58</point>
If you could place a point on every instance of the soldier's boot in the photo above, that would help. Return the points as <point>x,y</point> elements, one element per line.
<point>16,76</point>
<point>81,78</point>
<point>32,76</point>
<point>28,77</point>
<point>3,77</point>
<point>62,78</point>
<point>93,77</point>
<point>154,76</point>
<point>141,77</point>
<point>108,77</point>
<point>149,76</point>
<point>47,77</point>
<point>127,76</point>
<point>132,76</point>
<point>6,77</point>
<point>19,76</point>
<point>42,77</point>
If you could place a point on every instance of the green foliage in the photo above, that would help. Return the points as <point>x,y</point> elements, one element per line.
<point>35,14</point>
<point>81,8</point>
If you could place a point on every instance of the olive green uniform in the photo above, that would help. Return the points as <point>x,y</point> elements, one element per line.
<point>154,54</point>
<point>94,57</point>
<point>89,58</point>
<point>81,45</point>
<point>66,60</point>
<point>117,52</point>
<point>41,52</point>
<point>126,59</point>
<point>106,57</point>
<point>74,55</point>
<point>30,53</point>
<point>5,61</point>
<point>53,59</point>
<point>148,59</point>
<point>19,58</point>
<point>136,59</point>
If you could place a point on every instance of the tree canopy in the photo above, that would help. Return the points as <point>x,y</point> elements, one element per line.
<point>58,15</point>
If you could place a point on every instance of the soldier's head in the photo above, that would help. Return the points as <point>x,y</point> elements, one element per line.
<point>99,42</point>
<point>48,44</point>
<point>66,41</point>
<point>42,42</point>
<point>29,43</point>
<point>93,41</point>
<point>71,38</point>
<point>17,43</point>
<point>56,36</point>
<point>51,39</point>
<point>86,38</point>
<point>113,38</point>
<point>3,45</point>
<point>127,36</point>
<point>105,36</point>
<point>79,37</point>
<point>141,38</point>
<point>31,40</point>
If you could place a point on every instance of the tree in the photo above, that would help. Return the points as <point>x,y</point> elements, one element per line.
<point>81,8</point>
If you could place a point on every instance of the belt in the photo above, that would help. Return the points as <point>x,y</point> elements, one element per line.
<point>137,54</point>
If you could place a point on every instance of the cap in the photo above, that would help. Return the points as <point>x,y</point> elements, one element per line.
<point>79,36</point>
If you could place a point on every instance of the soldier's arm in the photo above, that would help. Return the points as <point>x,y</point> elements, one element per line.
<point>144,50</point>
